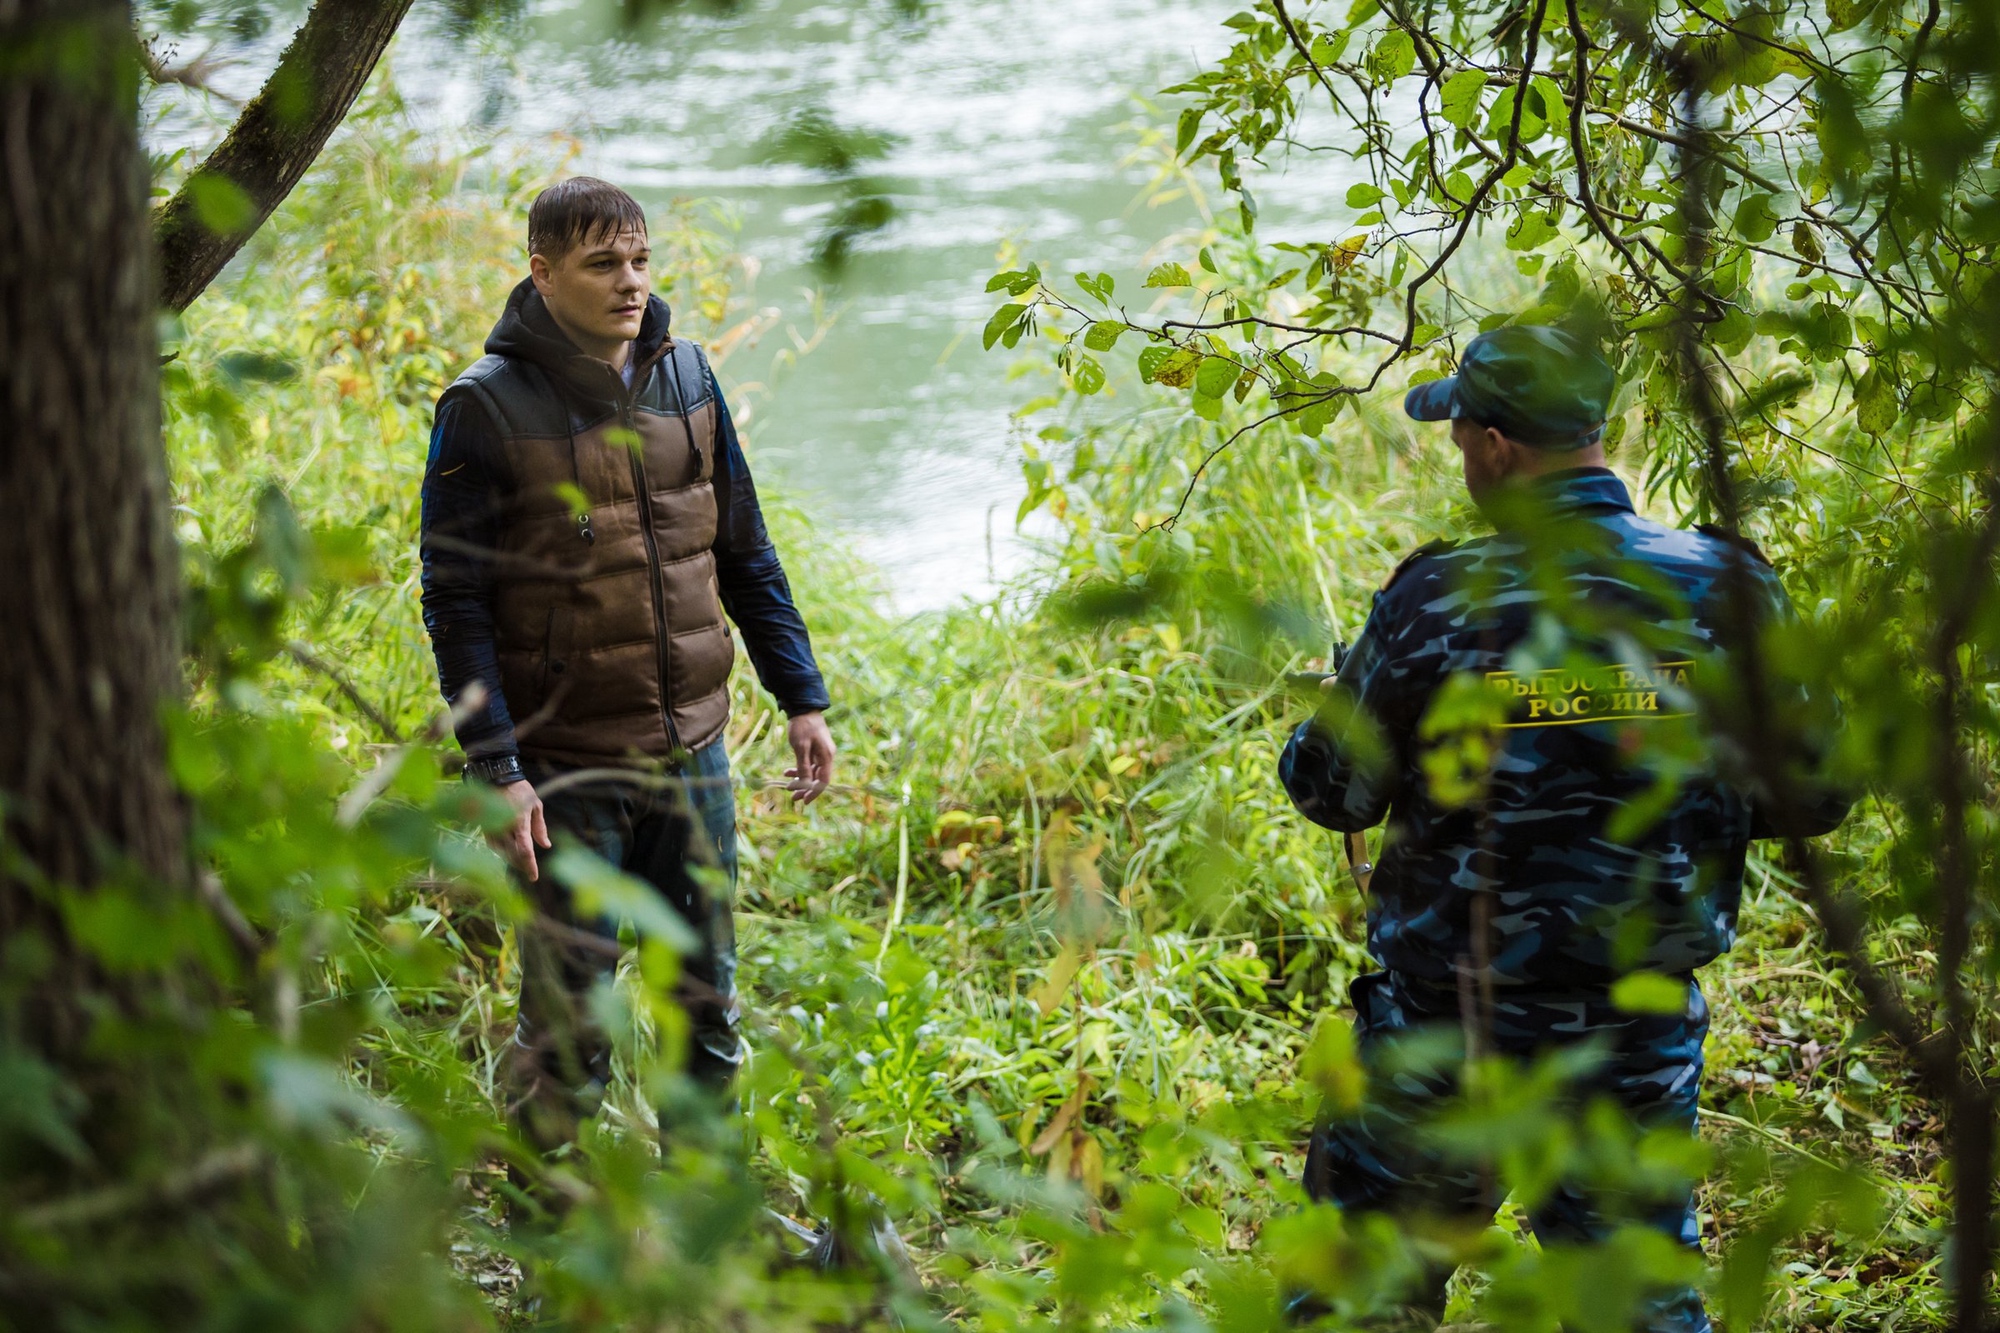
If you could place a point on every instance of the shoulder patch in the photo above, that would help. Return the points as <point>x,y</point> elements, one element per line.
<point>1735,539</point>
<point>1438,547</point>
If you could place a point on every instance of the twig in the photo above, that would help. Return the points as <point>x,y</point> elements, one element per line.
<point>312,661</point>
<point>216,1169</point>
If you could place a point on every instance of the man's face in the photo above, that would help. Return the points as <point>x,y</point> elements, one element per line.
<point>597,291</point>
<point>1490,457</point>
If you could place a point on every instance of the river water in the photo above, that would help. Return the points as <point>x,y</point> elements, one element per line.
<point>1013,122</point>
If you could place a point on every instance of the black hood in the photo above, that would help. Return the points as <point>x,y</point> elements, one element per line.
<point>528,332</point>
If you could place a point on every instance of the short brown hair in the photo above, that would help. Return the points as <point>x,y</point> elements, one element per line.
<point>580,209</point>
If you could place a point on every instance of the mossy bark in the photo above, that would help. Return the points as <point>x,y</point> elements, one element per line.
<point>89,582</point>
<point>275,139</point>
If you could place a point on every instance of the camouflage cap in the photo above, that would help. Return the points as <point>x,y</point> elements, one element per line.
<point>1540,385</point>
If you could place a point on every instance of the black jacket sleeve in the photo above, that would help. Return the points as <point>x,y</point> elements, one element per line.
<point>1337,766</point>
<point>752,581</point>
<point>461,502</point>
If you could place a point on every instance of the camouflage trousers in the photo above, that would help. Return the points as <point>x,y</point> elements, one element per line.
<point>1382,1161</point>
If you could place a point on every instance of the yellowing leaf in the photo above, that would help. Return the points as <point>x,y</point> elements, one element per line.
<point>1049,995</point>
<point>1103,334</point>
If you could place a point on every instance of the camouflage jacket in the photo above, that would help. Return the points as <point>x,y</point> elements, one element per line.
<point>1586,645</point>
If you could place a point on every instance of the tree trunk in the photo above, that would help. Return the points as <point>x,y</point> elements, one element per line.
<point>89,585</point>
<point>278,135</point>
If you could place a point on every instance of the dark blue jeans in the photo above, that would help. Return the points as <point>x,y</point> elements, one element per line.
<point>661,830</point>
<point>1382,1161</point>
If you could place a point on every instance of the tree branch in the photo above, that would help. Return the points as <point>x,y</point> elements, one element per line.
<point>272,144</point>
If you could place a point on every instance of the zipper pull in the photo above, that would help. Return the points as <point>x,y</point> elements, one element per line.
<point>583,529</point>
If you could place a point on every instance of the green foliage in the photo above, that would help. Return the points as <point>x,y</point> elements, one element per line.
<point>1780,238</point>
<point>813,139</point>
<point>1073,1071</point>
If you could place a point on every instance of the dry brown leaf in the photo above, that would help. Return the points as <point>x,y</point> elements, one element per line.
<point>1052,1132</point>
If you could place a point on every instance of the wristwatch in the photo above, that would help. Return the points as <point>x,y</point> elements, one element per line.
<point>498,770</point>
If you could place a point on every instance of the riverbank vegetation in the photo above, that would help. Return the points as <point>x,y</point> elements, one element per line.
<point>1044,996</point>
<point>1045,980</point>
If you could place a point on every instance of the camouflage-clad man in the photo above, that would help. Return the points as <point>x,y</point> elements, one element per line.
<point>1509,908</point>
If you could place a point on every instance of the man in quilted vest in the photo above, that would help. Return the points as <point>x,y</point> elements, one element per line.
<point>588,523</point>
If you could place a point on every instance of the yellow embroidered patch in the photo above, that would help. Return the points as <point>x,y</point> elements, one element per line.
<point>1561,697</point>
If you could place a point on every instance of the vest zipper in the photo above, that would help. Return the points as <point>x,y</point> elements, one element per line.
<point>662,648</point>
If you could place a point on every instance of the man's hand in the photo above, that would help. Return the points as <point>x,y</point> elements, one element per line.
<point>530,829</point>
<point>812,743</point>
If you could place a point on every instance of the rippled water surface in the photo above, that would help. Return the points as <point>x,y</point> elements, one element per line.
<point>1014,120</point>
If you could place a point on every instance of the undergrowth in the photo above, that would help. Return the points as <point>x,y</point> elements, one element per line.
<point>1040,971</point>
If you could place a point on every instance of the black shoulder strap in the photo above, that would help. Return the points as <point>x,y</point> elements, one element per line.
<point>1438,547</point>
<point>1735,539</point>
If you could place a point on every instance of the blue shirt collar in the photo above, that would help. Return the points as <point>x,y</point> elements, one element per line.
<point>1583,488</point>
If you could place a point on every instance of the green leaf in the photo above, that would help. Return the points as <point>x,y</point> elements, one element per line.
<point>1327,50</point>
<point>1088,377</point>
<point>220,204</point>
<point>1332,1063</point>
<point>1458,99</point>
<point>1500,120</point>
<point>1025,325</point>
<point>1318,414</point>
<point>1169,274</point>
<point>1003,321</point>
<point>1394,56</point>
<point>1103,335</point>
<point>1362,194</point>
<point>1734,331</point>
<point>1755,218</point>
<point>1006,280</point>
<point>241,368</point>
<point>1208,409</point>
<point>1875,405</point>
<point>1530,230</point>
<point>1649,993</point>
<point>1518,175</point>
<point>1098,286</point>
<point>1215,376</point>
<point>573,497</point>
<point>603,890</point>
<point>1150,362</point>
<point>1555,109</point>
<point>1189,126</point>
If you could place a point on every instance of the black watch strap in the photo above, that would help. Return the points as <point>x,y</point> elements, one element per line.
<point>499,769</point>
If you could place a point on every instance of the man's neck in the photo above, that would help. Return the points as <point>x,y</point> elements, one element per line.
<point>1535,463</point>
<point>613,354</point>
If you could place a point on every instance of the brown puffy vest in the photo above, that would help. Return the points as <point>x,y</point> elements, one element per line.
<point>612,643</point>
